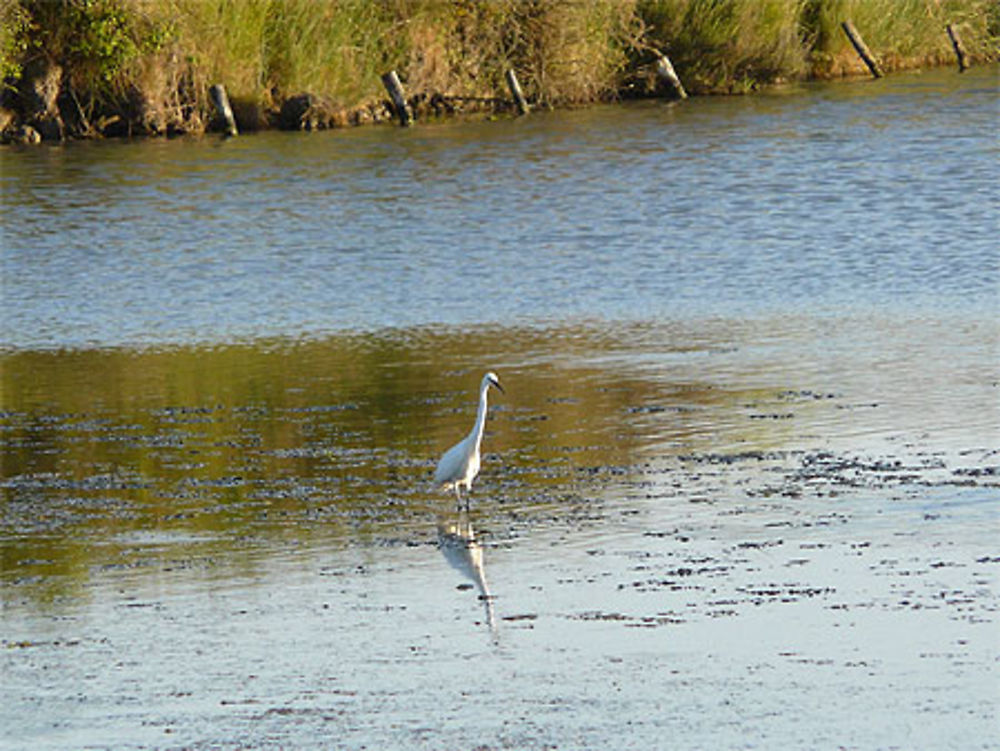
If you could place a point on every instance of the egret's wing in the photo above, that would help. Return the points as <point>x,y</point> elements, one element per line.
<point>452,465</point>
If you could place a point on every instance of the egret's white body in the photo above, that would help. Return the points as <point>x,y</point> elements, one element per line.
<point>460,464</point>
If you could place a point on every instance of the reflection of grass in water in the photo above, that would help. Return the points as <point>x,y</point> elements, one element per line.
<point>331,440</point>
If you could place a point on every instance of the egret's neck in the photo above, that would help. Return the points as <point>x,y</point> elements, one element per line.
<point>477,429</point>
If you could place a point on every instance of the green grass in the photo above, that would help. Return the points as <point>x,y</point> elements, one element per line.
<point>153,61</point>
<point>14,29</point>
<point>729,45</point>
<point>901,33</point>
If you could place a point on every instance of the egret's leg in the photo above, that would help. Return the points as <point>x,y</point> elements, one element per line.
<point>458,497</point>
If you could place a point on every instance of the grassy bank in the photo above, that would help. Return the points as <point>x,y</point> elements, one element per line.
<point>124,66</point>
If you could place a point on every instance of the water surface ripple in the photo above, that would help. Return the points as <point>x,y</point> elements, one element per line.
<point>880,195</point>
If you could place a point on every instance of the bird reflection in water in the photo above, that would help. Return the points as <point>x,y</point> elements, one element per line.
<point>458,543</point>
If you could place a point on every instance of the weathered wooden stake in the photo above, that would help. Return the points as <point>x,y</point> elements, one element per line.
<point>391,82</point>
<point>515,91</point>
<point>956,42</point>
<point>221,101</point>
<point>665,71</point>
<point>862,48</point>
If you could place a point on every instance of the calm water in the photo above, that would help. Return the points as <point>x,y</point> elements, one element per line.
<point>742,488</point>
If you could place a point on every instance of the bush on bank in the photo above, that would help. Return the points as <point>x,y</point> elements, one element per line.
<point>118,67</point>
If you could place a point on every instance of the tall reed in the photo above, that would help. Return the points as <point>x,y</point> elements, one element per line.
<point>900,32</point>
<point>151,62</point>
<point>729,45</point>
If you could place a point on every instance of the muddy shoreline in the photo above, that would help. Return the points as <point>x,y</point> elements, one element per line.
<point>44,111</point>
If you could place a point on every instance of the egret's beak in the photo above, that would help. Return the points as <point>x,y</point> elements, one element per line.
<point>497,384</point>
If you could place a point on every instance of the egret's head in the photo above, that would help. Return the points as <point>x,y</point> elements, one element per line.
<point>491,379</point>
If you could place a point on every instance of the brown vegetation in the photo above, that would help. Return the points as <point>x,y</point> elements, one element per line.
<point>121,67</point>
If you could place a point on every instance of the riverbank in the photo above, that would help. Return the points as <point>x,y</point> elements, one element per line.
<point>92,68</point>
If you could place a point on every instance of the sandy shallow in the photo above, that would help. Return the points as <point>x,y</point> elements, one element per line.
<point>748,600</point>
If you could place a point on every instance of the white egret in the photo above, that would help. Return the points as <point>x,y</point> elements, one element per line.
<point>460,464</point>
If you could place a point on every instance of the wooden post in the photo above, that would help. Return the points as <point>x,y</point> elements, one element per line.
<point>515,91</point>
<point>963,59</point>
<point>221,101</point>
<point>862,48</point>
<point>391,82</point>
<point>665,71</point>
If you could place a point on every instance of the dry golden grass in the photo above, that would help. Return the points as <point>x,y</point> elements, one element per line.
<point>153,61</point>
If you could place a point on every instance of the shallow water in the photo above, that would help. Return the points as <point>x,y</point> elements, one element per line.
<point>742,488</point>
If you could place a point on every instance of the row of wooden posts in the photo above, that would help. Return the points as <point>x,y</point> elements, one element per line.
<point>664,71</point>
<point>392,85</point>
<point>869,59</point>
